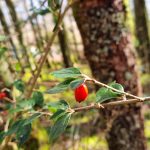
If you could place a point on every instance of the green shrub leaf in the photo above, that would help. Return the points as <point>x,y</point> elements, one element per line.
<point>58,113</point>
<point>15,127</point>
<point>23,134</point>
<point>67,73</point>
<point>74,84</point>
<point>117,86</point>
<point>21,128</point>
<point>2,136</point>
<point>104,94</point>
<point>26,104</point>
<point>38,98</point>
<point>62,104</point>
<point>60,87</point>
<point>59,126</point>
<point>31,118</point>
<point>22,105</point>
<point>19,84</point>
<point>2,51</point>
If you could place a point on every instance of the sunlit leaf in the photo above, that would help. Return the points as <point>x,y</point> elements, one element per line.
<point>26,104</point>
<point>18,67</point>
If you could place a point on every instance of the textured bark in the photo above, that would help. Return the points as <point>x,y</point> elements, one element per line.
<point>64,48</point>
<point>108,49</point>
<point>142,34</point>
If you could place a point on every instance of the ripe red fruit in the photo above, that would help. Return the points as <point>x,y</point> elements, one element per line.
<point>2,95</point>
<point>81,93</point>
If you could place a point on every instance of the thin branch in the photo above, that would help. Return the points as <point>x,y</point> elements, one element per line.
<point>113,89</point>
<point>47,49</point>
<point>115,103</point>
<point>9,100</point>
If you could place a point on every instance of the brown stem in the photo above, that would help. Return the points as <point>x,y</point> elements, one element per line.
<point>113,89</point>
<point>115,103</point>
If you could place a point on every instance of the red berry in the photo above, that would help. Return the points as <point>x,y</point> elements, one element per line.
<point>81,93</point>
<point>2,95</point>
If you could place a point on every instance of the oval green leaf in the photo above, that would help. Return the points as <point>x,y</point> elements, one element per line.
<point>67,73</point>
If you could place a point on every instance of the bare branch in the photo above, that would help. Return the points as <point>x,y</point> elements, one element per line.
<point>115,103</point>
<point>113,89</point>
<point>47,49</point>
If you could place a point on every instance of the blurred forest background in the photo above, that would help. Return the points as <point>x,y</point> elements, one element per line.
<point>99,41</point>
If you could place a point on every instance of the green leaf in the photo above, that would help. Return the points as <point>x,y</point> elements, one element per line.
<point>26,104</point>
<point>60,87</point>
<point>22,105</point>
<point>67,73</point>
<point>23,134</point>
<point>62,104</point>
<point>31,118</point>
<point>19,84</point>
<point>74,84</point>
<point>2,136</point>
<point>59,126</point>
<point>17,67</point>
<point>58,113</point>
<point>38,98</point>
<point>2,51</point>
<point>117,86</point>
<point>21,128</point>
<point>104,94</point>
<point>15,110</point>
<point>15,127</point>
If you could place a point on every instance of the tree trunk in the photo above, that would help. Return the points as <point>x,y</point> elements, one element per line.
<point>142,34</point>
<point>7,32</point>
<point>74,39</point>
<point>35,32</point>
<point>36,23</point>
<point>17,26</point>
<point>64,47</point>
<point>109,52</point>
